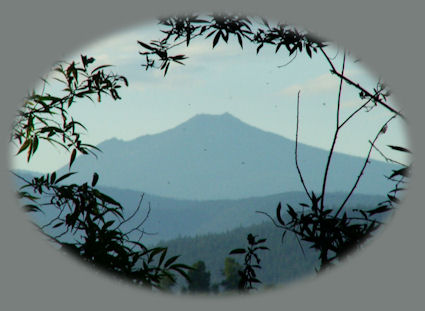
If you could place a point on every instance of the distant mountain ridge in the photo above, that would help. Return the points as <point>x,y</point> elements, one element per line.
<point>172,218</point>
<point>221,157</point>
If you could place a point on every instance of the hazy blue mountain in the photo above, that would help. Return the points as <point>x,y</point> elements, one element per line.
<point>220,157</point>
<point>171,218</point>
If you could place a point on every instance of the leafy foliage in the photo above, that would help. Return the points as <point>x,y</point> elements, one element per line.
<point>46,116</point>
<point>248,275</point>
<point>329,232</point>
<point>87,222</point>
<point>185,28</point>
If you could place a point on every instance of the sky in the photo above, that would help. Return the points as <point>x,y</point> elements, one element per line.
<point>257,89</point>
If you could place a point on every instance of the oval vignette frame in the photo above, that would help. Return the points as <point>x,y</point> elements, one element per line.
<point>344,264</point>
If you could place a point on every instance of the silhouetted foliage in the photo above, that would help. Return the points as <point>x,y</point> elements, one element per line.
<point>87,221</point>
<point>248,275</point>
<point>333,232</point>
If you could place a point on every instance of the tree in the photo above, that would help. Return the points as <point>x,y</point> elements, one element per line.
<point>332,232</point>
<point>231,274</point>
<point>199,278</point>
<point>88,223</point>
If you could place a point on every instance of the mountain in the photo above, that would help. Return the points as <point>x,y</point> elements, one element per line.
<point>171,218</point>
<point>212,157</point>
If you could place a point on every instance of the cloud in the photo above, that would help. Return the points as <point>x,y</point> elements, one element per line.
<point>323,83</point>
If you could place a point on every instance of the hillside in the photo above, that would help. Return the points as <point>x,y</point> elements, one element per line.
<point>282,264</point>
<point>170,218</point>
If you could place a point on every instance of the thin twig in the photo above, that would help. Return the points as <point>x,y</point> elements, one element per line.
<point>366,162</point>
<point>296,147</point>
<point>143,221</point>
<point>290,61</point>
<point>271,218</point>
<point>358,86</point>
<point>135,212</point>
<point>337,128</point>
<point>387,159</point>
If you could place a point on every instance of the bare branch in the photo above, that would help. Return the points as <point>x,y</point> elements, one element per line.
<point>337,128</point>
<point>366,162</point>
<point>296,147</point>
<point>358,86</point>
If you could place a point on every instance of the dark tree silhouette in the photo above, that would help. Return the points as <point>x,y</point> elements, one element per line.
<point>199,278</point>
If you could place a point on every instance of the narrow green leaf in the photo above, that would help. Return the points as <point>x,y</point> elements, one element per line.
<point>24,146</point>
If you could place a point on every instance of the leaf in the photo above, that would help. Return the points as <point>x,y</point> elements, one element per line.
<point>307,48</point>
<point>216,38</point>
<point>58,225</point>
<point>53,178</point>
<point>99,67</point>
<point>145,45</point>
<point>291,211</point>
<point>237,251</point>
<point>398,148</point>
<point>170,261</point>
<point>24,146</point>
<point>35,145</point>
<point>259,47</point>
<point>379,210</point>
<point>278,211</point>
<point>401,172</point>
<point>164,252</point>
<point>64,176</point>
<point>240,40</point>
<point>95,179</point>
<point>32,208</point>
<point>393,198</point>
<point>108,224</point>
<point>72,159</point>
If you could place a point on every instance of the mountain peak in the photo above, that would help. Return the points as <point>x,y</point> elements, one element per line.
<point>205,116</point>
<point>218,156</point>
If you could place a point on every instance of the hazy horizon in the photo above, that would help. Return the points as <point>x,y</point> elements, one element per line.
<point>256,89</point>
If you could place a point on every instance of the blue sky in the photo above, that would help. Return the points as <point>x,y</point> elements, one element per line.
<point>253,88</point>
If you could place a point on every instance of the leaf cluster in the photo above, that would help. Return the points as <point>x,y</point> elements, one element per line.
<point>220,26</point>
<point>333,236</point>
<point>87,222</point>
<point>92,220</point>
<point>252,261</point>
<point>45,117</point>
